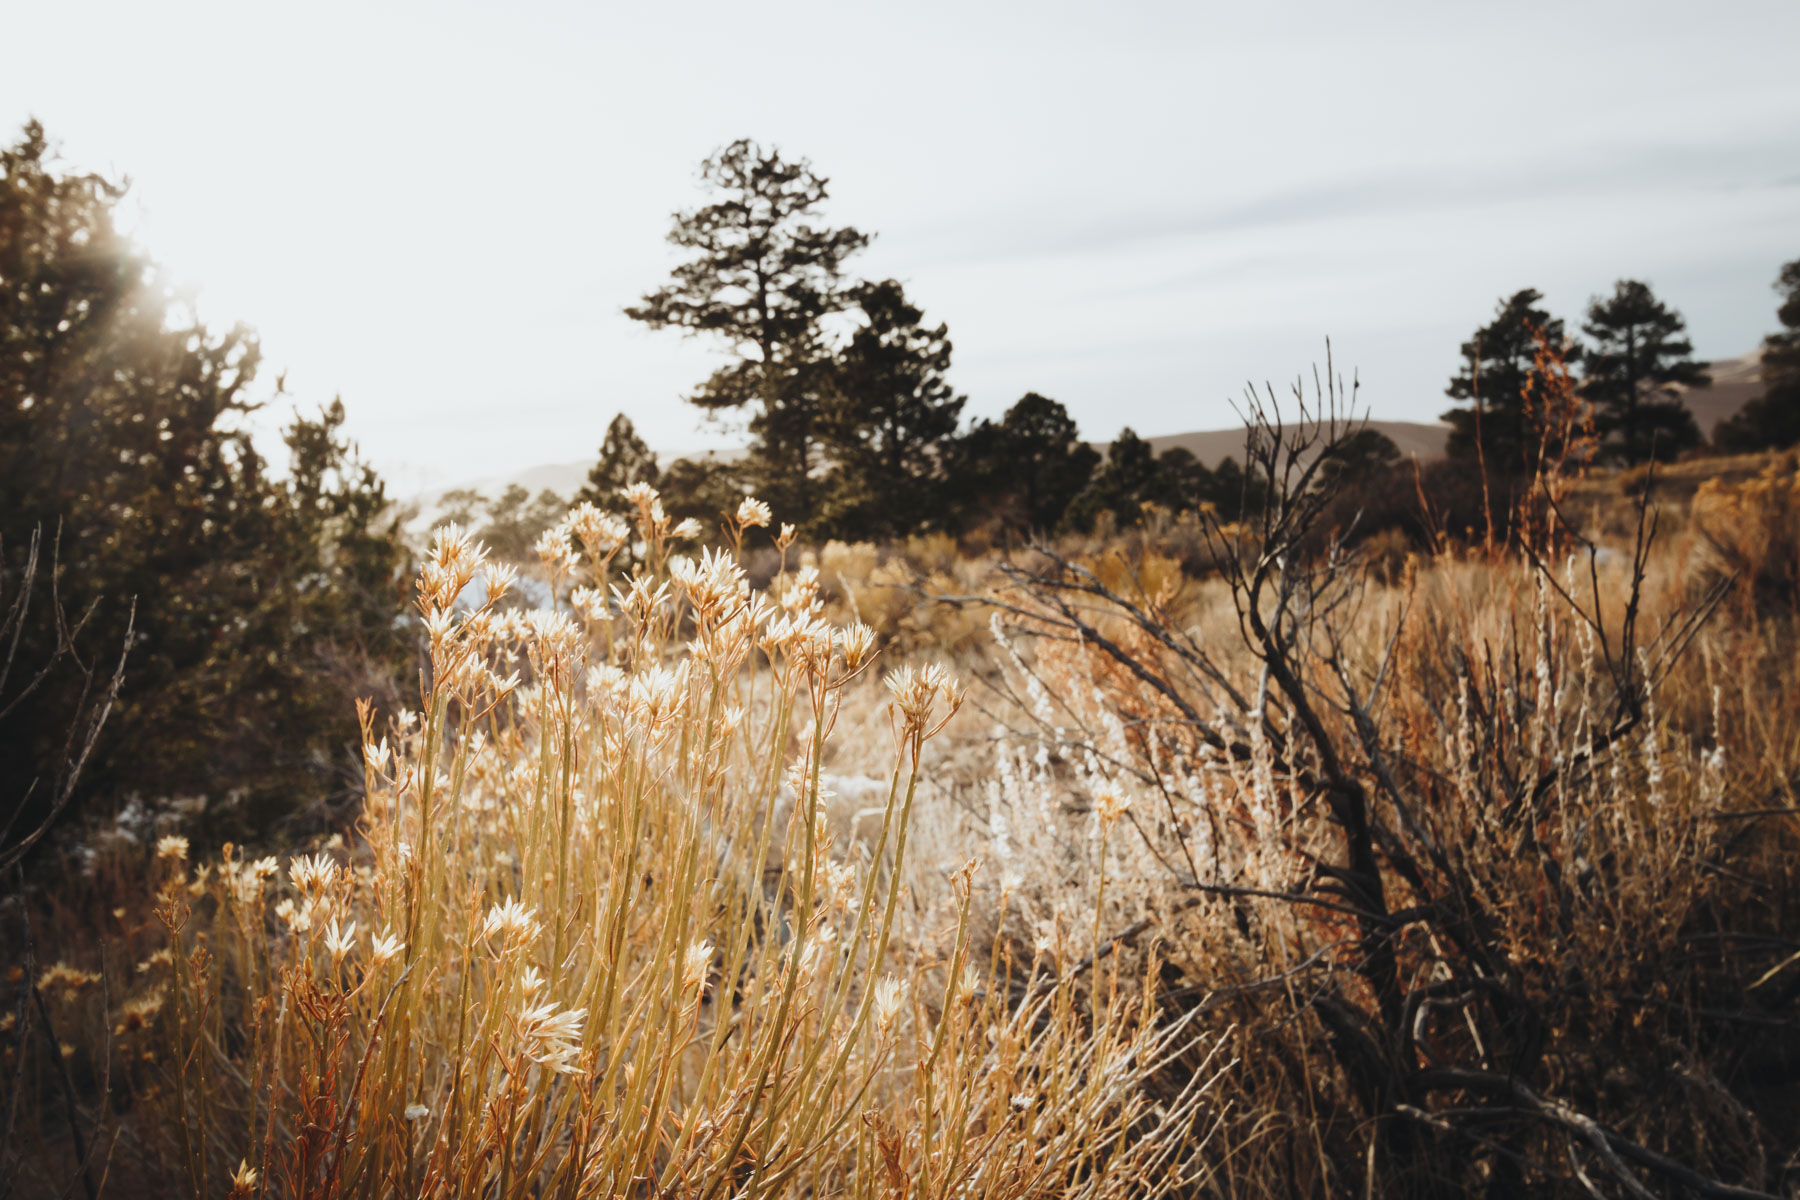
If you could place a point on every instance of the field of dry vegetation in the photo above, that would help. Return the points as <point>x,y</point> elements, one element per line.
<point>1217,860</point>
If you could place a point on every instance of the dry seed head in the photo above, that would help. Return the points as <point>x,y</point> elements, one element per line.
<point>550,1038</point>
<point>384,947</point>
<point>887,1002</point>
<point>554,549</point>
<point>530,982</point>
<point>1110,804</point>
<point>340,941</point>
<point>70,979</point>
<point>512,920</point>
<point>243,1181</point>
<point>752,513</point>
<point>590,603</point>
<point>314,876</point>
<point>857,641</point>
<point>639,495</point>
<point>696,963</point>
<point>172,846</point>
<point>687,529</point>
<point>499,579</point>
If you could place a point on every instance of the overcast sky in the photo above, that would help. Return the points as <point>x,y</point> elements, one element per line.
<point>439,209</point>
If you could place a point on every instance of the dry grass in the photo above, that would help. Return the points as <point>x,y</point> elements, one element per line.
<point>594,937</point>
<point>669,890</point>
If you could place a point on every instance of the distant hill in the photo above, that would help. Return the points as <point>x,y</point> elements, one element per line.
<point>1735,381</point>
<point>1213,446</point>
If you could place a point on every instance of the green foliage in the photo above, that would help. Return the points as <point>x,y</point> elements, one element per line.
<point>1503,426</point>
<point>1356,460</point>
<point>703,489</point>
<point>1773,418</point>
<point>1023,471</point>
<point>625,459</point>
<point>1125,480</point>
<point>262,605</point>
<point>1638,353</point>
<point>762,279</point>
<point>516,520</point>
<point>892,422</point>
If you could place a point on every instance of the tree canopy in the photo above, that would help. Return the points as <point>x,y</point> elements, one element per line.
<point>761,277</point>
<point>262,604</point>
<point>1638,352</point>
<point>1505,424</point>
<point>1773,418</point>
<point>893,419</point>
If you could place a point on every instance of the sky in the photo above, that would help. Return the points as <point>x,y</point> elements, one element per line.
<point>439,210</point>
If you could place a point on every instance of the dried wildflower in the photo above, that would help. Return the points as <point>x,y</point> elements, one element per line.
<point>697,963</point>
<point>550,1038</point>
<point>512,921</point>
<point>339,941</point>
<point>530,981</point>
<point>590,603</point>
<point>383,947</point>
<point>417,1112</point>
<point>1109,805</point>
<point>299,918</point>
<point>136,1012</point>
<point>243,1182</point>
<point>887,1002</point>
<point>915,692</point>
<point>173,846</point>
<point>857,641</point>
<point>314,875</point>
<point>554,549</point>
<point>752,513</point>
<point>70,979</point>
<point>686,529</point>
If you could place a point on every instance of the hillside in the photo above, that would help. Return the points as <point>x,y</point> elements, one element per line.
<point>1735,381</point>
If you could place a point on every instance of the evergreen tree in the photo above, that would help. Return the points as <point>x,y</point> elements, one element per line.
<point>625,459</point>
<point>762,278</point>
<point>706,489</point>
<point>1359,459</point>
<point>1505,425</point>
<point>1773,419</point>
<point>262,608</point>
<point>892,420</point>
<point>1182,481</point>
<point>1638,354</point>
<point>516,520</point>
<point>1024,470</point>
<point>1124,481</point>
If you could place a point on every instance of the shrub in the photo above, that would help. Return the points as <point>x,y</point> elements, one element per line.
<point>594,937</point>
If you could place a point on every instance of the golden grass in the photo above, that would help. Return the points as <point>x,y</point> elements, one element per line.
<point>595,937</point>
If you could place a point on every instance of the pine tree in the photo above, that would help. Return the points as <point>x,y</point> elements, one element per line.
<point>625,459</point>
<point>1023,471</point>
<point>1773,419</point>
<point>262,607</point>
<point>892,420</point>
<point>762,278</point>
<point>1638,354</point>
<point>1124,481</point>
<point>1357,460</point>
<point>1503,425</point>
